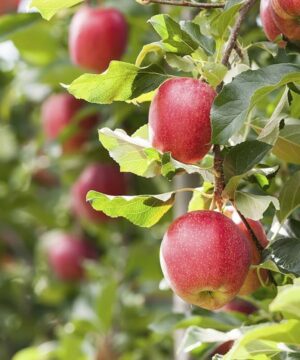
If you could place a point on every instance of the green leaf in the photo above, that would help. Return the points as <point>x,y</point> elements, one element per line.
<point>287,147</point>
<point>285,254</point>
<point>45,47</point>
<point>264,338</point>
<point>143,210</point>
<point>204,42</point>
<point>232,106</point>
<point>171,167</point>
<point>11,24</point>
<point>270,132</point>
<point>253,206</point>
<point>48,8</point>
<point>120,82</point>
<point>133,154</point>
<point>174,39</point>
<point>289,197</point>
<point>214,73</point>
<point>243,157</point>
<point>225,19</point>
<point>287,301</point>
<point>196,336</point>
<point>43,352</point>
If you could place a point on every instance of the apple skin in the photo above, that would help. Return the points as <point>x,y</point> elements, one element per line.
<point>267,18</point>
<point>58,112</point>
<point>179,119</point>
<point>66,255</point>
<point>205,258</point>
<point>239,305</point>
<point>105,178</point>
<point>222,349</point>
<point>287,17</point>
<point>97,36</point>
<point>252,282</point>
<point>8,6</point>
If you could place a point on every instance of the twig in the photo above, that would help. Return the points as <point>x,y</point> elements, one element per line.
<point>232,44</point>
<point>183,3</point>
<point>235,30</point>
<point>219,177</point>
<point>238,50</point>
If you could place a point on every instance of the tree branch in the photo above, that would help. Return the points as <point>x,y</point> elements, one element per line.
<point>186,3</point>
<point>231,45</point>
<point>235,30</point>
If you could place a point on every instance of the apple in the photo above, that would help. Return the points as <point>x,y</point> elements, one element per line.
<point>103,178</point>
<point>58,112</point>
<point>96,37</point>
<point>66,255</point>
<point>239,305</point>
<point>8,6</point>
<point>222,349</point>
<point>179,119</point>
<point>267,18</point>
<point>252,282</point>
<point>205,258</point>
<point>286,16</point>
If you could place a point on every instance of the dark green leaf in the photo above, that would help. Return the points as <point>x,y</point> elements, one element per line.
<point>243,157</point>
<point>285,254</point>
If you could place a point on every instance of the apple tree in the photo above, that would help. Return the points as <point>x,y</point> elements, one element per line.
<point>201,114</point>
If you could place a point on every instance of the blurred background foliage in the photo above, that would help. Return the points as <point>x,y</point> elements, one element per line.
<point>118,310</point>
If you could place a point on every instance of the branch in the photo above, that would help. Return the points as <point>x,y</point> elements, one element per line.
<point>232,45</point>
<point>186,3</point>
<point>235,30</point>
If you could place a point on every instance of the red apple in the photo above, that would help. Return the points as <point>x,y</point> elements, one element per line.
<point>66,255</point>
<point>239,305</point>
<point>8,6</point>
<point>252,282</point>
<point>286,16</point>
<point>222,349</point>
<point>179,119</point>
<point>267,19</point>
<point>205,258</point>
<point>58,112</point>
<point>99,177</point>
<point>97,36</point>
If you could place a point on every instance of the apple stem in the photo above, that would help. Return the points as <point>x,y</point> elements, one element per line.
<point>256,241</point>
<point>183,3</point>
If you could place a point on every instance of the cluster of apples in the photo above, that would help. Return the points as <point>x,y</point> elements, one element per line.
<point>96,36</point>
<point>281,17</point>
<point>206,256</point>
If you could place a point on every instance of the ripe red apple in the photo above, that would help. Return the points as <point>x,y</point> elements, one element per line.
<point>252,282</point>
<point>8,6</point>
<point>239,305</point>
<point>58,112</point>
<point>222,349</point>
<point>205,258</point>
<point>104,178</point>
<point>66,255</point>
<point>267,19</point>
<point>179,119</point>
<point>97,36</point>
<point>286,16</point>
